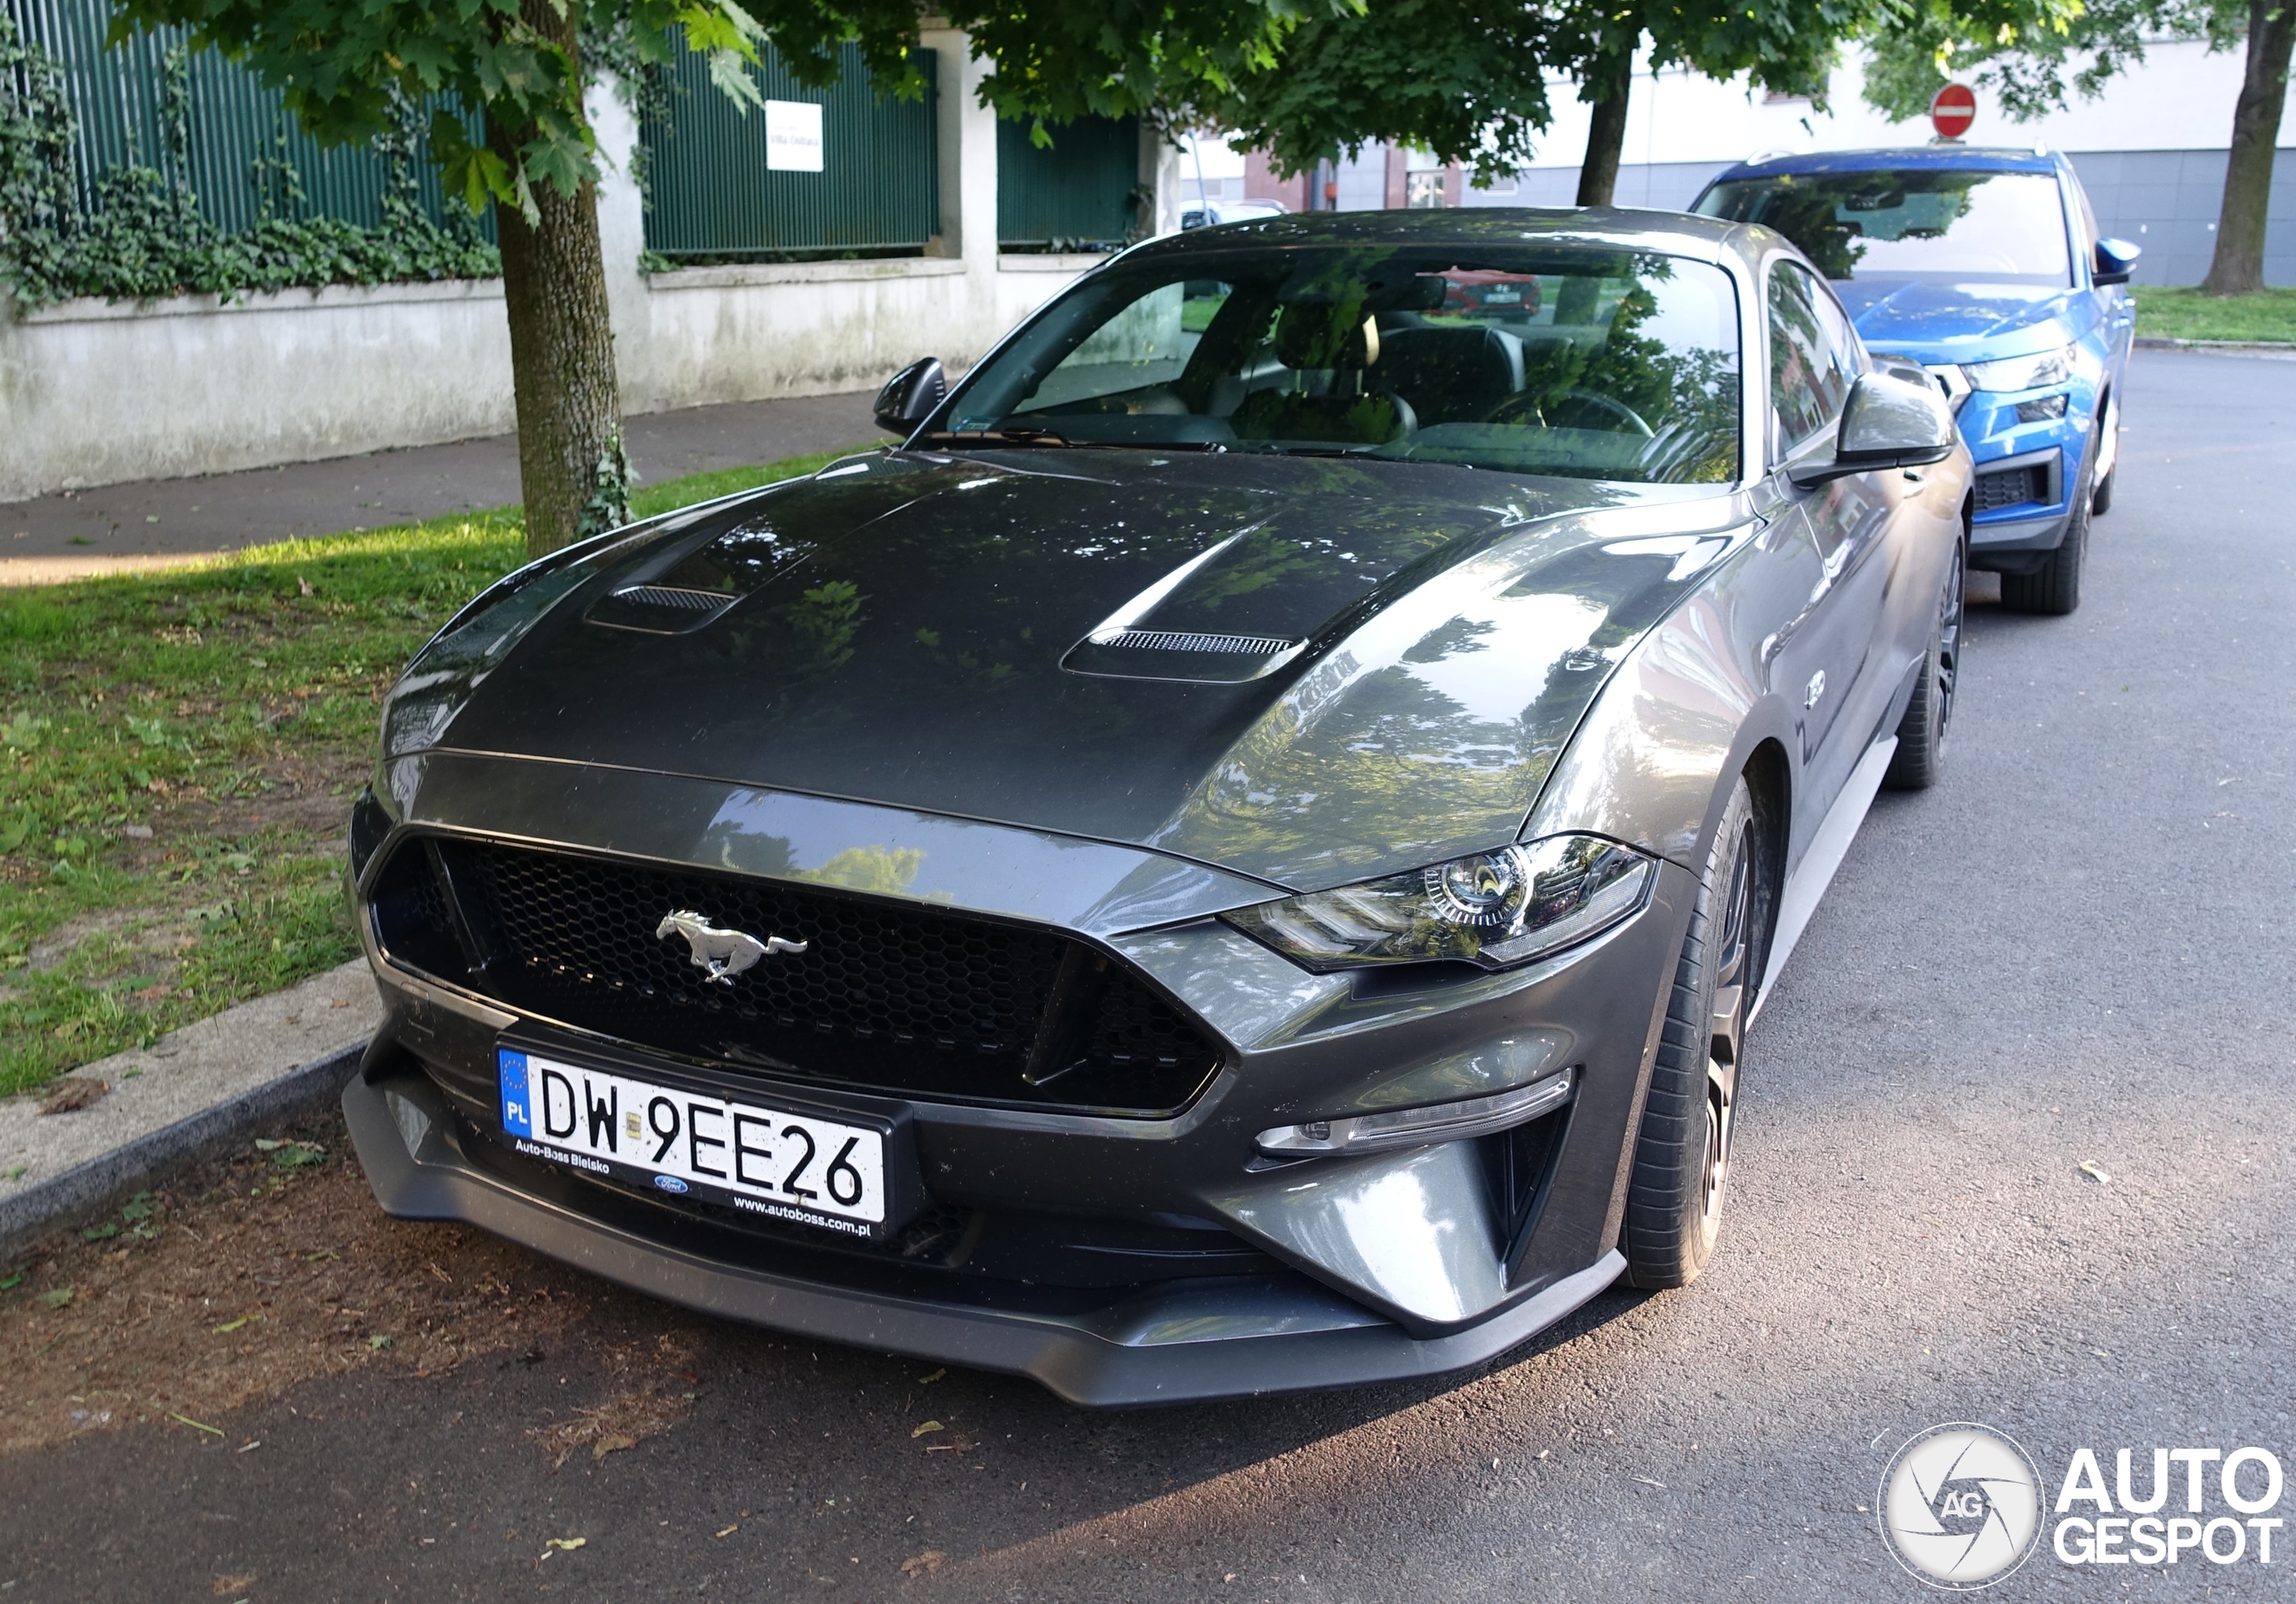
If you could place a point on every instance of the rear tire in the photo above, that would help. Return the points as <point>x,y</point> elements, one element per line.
<point>1681,1151</point>
<point>1919,760</point>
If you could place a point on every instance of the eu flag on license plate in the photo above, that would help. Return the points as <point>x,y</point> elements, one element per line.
<point>518,1113</point>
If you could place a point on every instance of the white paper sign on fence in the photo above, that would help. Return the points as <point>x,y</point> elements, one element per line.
<point>793,137</point>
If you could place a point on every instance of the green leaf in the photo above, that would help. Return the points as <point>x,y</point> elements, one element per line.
<point>103,1232</point>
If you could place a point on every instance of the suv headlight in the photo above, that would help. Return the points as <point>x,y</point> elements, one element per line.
<point>2021,372</point>
<point>1495,908</point>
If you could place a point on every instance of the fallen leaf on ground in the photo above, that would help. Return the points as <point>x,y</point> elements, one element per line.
<point>624,1420</point>
<point>565,1545</point>
<point>198,1425</point>
<point>929,1426</point>
<point>927,1380</point>
<point>378,1342</point>
<point>225,1586</point>
<point>71,1094</point>
<point>730,1530</point>
<point>228,1327</point>
<point>56,1297</point>
<point>923,1564</point>
<point>2094,1170</point>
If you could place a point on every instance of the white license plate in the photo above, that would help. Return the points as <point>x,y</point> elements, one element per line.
<point>746,1156</point>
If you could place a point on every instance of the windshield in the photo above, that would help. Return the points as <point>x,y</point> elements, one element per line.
<point>1588,364</point>
<point>1919,225</point>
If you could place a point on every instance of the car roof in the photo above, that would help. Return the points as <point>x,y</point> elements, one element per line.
<point>1955,158</point>
<point>1670,234</point>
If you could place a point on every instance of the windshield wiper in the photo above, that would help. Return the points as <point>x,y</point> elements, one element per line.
<point>1016,436</point>
<point>944,438</point>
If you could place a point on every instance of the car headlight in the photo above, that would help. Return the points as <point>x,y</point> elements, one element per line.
<point>1495,908</point>
<point>2021,372</point>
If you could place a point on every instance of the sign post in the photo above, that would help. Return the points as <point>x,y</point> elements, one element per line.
<point>1952,112</point>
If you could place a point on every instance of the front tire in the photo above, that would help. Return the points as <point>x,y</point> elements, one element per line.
<point>2054,588</point>
<point>1681,1152</point>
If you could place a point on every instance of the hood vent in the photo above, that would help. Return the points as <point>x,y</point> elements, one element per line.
<point>1184,641</point>
<point>1180,654</point>
<point>659,609</point>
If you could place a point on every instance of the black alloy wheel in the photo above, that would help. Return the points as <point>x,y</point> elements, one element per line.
<point>1690,1116</point>
<point>1919,760</point>
<point>1733,990</point>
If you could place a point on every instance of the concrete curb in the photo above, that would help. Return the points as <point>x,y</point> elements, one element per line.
<point>47,1202</point>
<point>2283,350</point>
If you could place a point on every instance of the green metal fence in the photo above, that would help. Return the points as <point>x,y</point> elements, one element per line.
<point>238,150</point>
<point>710,194</point>
<point>1078,195</point>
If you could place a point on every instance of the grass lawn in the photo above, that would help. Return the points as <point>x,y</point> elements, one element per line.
<point>178,753</point>
<point>2186,314</point>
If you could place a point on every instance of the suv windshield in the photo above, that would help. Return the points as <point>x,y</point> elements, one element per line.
<point>1921,225</point>
<point>1587,364</point>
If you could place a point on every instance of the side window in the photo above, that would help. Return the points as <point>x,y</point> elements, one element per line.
<point>1812,357</point>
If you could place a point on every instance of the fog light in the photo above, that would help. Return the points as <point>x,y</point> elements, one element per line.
<point>2042,411</point>
<point>1417,1127</point>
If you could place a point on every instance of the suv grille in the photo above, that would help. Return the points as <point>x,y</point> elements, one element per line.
<point>886,996</point>
<point>2011,487</point>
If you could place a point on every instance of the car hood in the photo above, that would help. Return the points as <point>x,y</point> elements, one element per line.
<point>1308,670</point>
<point>1962,323</point>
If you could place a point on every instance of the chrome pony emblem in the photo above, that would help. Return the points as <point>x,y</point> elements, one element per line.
<point>724,954</point>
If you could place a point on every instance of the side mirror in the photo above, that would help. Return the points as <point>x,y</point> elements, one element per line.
<point>2116,262</point>
<point>910,396</point>
<point>1889,422</point>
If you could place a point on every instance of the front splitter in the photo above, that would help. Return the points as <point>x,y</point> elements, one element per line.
<point>1171,1342</point>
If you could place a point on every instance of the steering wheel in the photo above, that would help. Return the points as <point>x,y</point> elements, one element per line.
<point>1618,409</point>
<point>1526,408</point>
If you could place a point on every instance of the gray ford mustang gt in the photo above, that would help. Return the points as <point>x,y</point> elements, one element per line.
<point>1239,857</point>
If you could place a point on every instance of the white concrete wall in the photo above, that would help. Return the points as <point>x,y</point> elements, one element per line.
<point>2180,99</point>
<point>97,393</point>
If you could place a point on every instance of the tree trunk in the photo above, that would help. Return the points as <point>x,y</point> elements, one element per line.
<point>1611,81</point>
<point>562,345</point>
<point>2238,262</point>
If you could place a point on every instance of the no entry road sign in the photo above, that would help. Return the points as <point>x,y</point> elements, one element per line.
<point>1954,110</point>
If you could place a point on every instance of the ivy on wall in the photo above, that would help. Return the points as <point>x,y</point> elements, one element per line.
<point>142,235</point>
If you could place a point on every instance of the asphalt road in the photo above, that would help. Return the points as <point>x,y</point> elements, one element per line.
<point>2077,949</point>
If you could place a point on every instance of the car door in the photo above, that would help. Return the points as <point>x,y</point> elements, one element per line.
<point>1826,658</point>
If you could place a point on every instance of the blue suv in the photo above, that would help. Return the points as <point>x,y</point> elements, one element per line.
<point>1984,267</point>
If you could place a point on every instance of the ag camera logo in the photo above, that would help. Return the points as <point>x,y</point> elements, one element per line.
<point>1960,1506</point>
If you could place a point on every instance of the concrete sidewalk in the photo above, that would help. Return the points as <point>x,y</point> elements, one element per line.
<point>158,1104</point>
<point>159,522</point>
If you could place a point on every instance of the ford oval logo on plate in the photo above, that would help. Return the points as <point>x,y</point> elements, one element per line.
<point>669,1183</point>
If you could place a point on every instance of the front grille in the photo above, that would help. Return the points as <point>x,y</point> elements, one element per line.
<point>2011,487</point>
<point>886,996</point>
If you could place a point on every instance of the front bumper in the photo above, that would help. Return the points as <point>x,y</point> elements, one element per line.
<point>1118,1260</point>
<point>1167,1342</point>
<point>2027,468</point>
